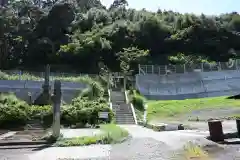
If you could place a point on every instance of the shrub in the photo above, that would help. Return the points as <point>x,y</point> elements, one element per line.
<point>13,112</point>
<point>44,113</point>
<point>85,111</point>
<point>138,102</point>
<point>3,76</point>
<point>95,89</point>
<point>81,111</point>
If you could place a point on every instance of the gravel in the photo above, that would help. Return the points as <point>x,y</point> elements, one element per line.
<point>140,149</point>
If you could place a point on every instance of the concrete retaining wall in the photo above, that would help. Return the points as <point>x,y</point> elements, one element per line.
<point>22,88</point>
<point>189,85</point>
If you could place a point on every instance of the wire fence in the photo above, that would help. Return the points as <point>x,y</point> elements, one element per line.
<point>201,67</point>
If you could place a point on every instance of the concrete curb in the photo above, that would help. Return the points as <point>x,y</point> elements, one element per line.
<point>20,143</point>
<point>162,127</point>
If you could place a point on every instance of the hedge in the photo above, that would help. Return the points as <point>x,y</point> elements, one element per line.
<point>81,110</point>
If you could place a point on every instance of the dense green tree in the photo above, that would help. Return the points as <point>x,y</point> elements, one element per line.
<point>78,35</point>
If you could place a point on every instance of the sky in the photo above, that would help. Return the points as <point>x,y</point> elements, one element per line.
<point>208,7</point>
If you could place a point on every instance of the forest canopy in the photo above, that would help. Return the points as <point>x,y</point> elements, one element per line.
<point>81,35</point>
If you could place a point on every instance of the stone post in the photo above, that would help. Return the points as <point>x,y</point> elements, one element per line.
<point>125,82</point>
<point>216,130</point>
<point>56,98</point>
<point>46,86</point>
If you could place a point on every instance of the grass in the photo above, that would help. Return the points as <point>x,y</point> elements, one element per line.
<point>173,108</point>
<point>27,76</point>
<point>111,134</point>
<point>138,103</point>
<point>195,152</point>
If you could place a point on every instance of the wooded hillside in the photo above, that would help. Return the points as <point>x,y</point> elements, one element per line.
<point>84,36</point>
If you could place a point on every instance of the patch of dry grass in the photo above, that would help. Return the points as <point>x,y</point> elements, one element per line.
<point>194,152</point>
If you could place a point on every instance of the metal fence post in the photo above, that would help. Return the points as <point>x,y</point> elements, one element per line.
<point>184,68</point>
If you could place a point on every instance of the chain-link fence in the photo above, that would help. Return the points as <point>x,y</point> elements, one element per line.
<point>201,67</point>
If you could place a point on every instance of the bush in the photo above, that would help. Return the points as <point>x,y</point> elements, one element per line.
<point>13,112</point>
<point>85,111</point>
<point>138,102</point>
<point>95,89</point>
<point>81,111</point>
<point>3,76</point>
<point>44,113</point>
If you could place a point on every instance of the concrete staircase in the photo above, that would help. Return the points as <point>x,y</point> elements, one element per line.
<point>122,110</point>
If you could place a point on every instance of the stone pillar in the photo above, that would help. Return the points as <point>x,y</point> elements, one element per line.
<point>109,81</point>
<point>56,98</point>
<point>216,130</point>
<point>125,82</point>
<point>238,126</point>
<point>46,86</point>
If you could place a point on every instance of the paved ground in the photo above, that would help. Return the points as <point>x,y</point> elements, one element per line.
<point>71,133</point>
<point>145,144</point>
<point>77,153</point>
<point>18,152</point>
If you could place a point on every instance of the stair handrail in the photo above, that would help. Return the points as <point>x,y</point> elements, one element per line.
<point>126,97</point>
<point>109,99</point>
<point>132,108</point>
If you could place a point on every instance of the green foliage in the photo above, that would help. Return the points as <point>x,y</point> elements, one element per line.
<point>80,112</point>
<point>13,112</point>
<point>80,34</point>
<point>137,100</point>
<point>176,108</point>
<point>111,134</point>
<point>95,89</point>
<point>44,113</point>
<point>85,111</point>
<point>3,76</point>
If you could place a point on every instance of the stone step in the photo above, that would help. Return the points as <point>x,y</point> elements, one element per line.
<point>123,113</point>
<point>125,122</point>
<point>122,109</point>
<point>129,117</point>
<point>124,117</point>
